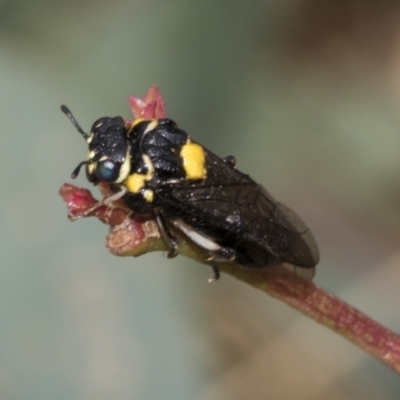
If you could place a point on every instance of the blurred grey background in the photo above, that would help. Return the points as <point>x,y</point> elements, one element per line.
<point>306,95</point>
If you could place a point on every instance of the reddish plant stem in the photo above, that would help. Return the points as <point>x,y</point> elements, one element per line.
<point>331,312</point>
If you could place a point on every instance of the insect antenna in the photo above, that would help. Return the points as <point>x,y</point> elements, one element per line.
<point>68,113</point>
<point>75,172</point>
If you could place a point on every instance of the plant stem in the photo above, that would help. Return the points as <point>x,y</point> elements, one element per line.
<point>329,311</point>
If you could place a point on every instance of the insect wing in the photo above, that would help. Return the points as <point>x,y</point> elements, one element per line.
<point>289,238</point>
<point>229,207</point>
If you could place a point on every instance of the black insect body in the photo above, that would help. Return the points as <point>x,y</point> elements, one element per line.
<point>158,170</point>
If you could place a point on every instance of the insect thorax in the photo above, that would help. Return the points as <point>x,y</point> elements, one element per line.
<point>161,154</point>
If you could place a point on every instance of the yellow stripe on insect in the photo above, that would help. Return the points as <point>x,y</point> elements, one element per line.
<point>125,167</point>
<point>90,137</point>
<point>132,124</point>
<point>194,158</point>
<point>151,126</point>
<point>135,182</point>
<point>148,195</point>
<point>91,167</point>
<point>137,121</point>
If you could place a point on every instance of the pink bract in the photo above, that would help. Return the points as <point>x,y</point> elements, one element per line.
<point>151,106</point>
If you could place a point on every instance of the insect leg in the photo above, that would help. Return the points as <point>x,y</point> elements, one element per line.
<point>167,235</point>
<point>107,201</point>
<point>215,276</point>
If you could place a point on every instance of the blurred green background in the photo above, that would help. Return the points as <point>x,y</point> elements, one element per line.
<point>305,94</point>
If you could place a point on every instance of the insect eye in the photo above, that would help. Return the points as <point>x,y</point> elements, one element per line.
<point>107,171</point>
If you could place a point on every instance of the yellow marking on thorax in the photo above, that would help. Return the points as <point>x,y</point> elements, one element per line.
<point>152,125</point>
<point>137,121</point>
<point>125,167</point>
<point>148,195</point>
<point>149,165</point>
<point>194,158</point>
<point>135,182</point>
